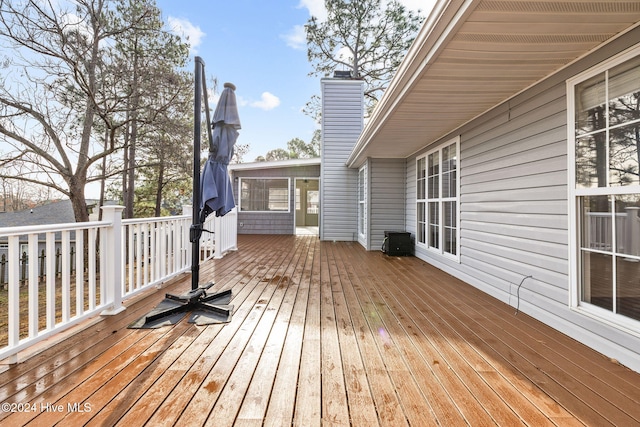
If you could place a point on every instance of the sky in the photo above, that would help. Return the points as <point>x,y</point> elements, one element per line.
<point>260,47</point>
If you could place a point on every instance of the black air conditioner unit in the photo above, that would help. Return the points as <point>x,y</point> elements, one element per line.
<point>397,243</point>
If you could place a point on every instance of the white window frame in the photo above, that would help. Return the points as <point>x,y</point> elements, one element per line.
<point>440,250</point>
<point>362,202</point>
<point>256,178</point>
<point>616,320</point>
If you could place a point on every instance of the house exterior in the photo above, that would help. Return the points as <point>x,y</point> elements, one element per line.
<point>58,212</point>
<point>507,144</point>
<point>279,197</point>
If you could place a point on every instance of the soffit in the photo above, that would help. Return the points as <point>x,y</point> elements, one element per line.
<point>472,55</point>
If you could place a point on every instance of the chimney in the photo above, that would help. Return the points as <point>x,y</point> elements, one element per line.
<point>338,74</point>
<point>342,123</point>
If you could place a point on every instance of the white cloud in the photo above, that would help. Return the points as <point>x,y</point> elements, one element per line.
<point>187,31</point>
<point>315,7</point>
<point>424,6</point>
<point>268,101</point>
<point>296,38</point>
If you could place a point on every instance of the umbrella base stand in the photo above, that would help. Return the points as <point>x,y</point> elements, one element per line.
<point>205,309</point>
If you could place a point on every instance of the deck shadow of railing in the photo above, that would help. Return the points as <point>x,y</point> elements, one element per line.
<point>38,300</point>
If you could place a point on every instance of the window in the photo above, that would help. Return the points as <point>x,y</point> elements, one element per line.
<point>362,200</point>
<point>604,135</point>
<point>437,201</point>
<point>264,195</point>
<point>313,202</point>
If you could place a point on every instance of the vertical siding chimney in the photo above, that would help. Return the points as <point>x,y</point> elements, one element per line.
<point>342,122</point>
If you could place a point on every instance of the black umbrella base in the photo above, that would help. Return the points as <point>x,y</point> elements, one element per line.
<point>205,309</point>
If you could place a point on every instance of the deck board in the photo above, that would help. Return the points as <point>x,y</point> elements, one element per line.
<point>387,403</point>
<point>280,407</point>
<point>334,402</point>
<point>361,405</point>
<point>324,333</point>
<point>548,366</point>
<point>383,328</point>
<point>458,365</point>
<point>307,410</point>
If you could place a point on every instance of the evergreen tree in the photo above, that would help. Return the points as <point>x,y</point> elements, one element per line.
<point>369,38</point>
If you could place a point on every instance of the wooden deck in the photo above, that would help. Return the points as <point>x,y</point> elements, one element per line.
<point>323,333</point>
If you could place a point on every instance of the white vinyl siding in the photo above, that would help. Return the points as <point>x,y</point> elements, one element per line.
<point>342,121</point>
<point>512,202</point>
<point>386,199</point>
<point>517,241</point>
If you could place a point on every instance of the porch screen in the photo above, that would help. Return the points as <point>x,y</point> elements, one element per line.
<point>264,195</point>
<point>607,188</point>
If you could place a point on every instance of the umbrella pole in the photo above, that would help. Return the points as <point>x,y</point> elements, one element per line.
<point>196,227</point>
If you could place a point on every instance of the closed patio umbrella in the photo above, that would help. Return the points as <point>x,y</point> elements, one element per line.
<point>215,186</point>
<point>212,192</point>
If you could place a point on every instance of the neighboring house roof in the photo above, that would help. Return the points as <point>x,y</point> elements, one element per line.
<point>60,212</point>
<point>275,164</point>
<point>472,55</point>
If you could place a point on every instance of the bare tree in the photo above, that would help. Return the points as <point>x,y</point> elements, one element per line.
<point>65,102</point>
<point>47,111</point>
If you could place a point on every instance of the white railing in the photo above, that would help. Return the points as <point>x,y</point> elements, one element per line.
<point>225,231</point>
<point>54,276</point>
<point>599,231</point>
<point>219,236</point>
<point>153,250</point>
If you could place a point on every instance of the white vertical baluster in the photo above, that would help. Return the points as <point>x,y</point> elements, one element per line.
<point>51,280</point>
<point>33,285</point>
<point>66,277</point>
<point>14,291</point>
<point>79,272</point>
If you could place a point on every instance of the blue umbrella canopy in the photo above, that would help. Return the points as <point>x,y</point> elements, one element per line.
<point>215,185</point>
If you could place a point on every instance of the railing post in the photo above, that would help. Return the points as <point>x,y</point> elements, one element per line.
<point>233,229</point>
<point>187,210</point>
<point>218,238</point>
<point>633,231</point>
<point>113,260</point>
<point>225,234</point>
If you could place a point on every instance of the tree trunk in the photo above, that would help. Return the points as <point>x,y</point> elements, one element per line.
<point>78,180</point>
<point>78,201</point>
<point>159,189</point>
<point>125,149</point>
<point>131,170</point>
<point>103,180</point>
<point>131,167</point>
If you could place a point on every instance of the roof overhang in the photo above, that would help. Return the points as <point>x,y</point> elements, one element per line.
<point>471,55</point>
<point>288,163</point>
